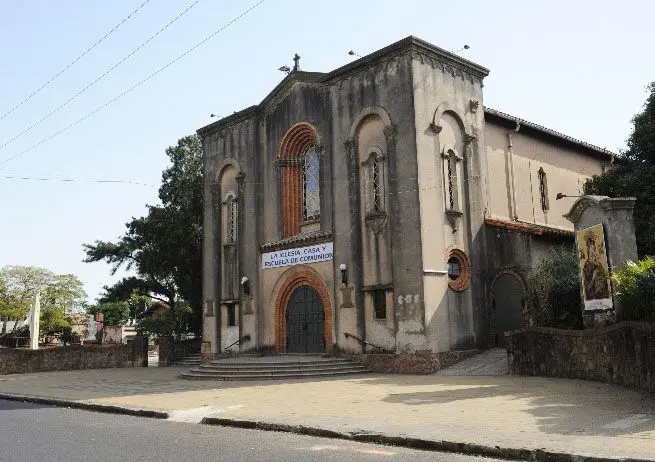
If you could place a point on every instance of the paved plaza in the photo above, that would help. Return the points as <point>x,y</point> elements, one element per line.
<point>569,416</point>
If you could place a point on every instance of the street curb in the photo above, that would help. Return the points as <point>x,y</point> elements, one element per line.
<point>108,409</point>
<point>472,449</point>
<point>538,455</point>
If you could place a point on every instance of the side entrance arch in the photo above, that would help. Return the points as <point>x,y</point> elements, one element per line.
<point>303,312</point>
<point>507,305</point>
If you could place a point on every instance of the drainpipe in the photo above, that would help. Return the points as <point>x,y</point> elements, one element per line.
<point>511,164</point>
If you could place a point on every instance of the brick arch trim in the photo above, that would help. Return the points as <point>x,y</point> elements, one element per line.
<point>297,139</point>
<point>294,143</point>
<point>291,280</point>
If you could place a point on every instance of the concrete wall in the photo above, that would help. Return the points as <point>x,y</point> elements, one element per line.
<point>443,96</point>
<point>566,170</point>
<point>623,354</point>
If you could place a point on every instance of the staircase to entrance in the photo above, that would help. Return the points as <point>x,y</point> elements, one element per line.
<point>278,367</point>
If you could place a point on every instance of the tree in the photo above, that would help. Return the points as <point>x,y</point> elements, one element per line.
<point>114,313</point>
<point>554,290</point>
<point>164,247</point>
<point>18,288</point>
<point>633,176</point>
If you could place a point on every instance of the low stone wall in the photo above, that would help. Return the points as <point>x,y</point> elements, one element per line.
<point>23,361</point>
<point>623,353</point>
<point>420,362</point>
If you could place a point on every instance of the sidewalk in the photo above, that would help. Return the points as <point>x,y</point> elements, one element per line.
<point>562,416</point>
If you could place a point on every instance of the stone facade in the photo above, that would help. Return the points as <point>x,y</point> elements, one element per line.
<point>622,354</point>
<point>23,361</point>
<point>379,187</point>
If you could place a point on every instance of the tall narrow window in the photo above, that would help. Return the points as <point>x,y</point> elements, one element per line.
<point>380,303</point>
<point>311,185</point>
<point>450,160</point>
<point>451,198</point>
<point>376,183</point>
<point>231,219</point>
<point>543,190</point>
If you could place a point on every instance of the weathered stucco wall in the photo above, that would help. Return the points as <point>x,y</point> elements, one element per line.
<point>566,170</point>
<point>451,100</point>
<point>383,88</point>
<point>623,354</point>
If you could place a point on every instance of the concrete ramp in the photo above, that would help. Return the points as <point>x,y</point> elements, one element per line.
<point>491,362</point>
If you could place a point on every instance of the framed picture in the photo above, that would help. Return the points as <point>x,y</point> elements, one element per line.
<point>594,270</point>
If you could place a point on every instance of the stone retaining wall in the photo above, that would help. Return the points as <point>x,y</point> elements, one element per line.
<point>420,362</point>
<point>623,353</point>
<point>23,361</point>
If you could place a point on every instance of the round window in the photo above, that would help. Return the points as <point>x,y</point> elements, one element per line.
<point>459,270</point>
<point>454,268</point>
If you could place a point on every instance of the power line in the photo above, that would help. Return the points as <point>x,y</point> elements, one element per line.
<point>102,76</point>
<point>53,78</point>
<point>132,88</point>
<point>71,180</point>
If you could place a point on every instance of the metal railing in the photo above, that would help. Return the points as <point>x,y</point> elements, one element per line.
<point>364,342</point>
<point>245,338</point>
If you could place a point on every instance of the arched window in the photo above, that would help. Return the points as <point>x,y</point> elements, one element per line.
<point>450,160</point>
<point>299,164</point>
<point>311,185</point>
<point>376,185</point>
<point>373,183</point>
<point>230,219</point>
<point>543,190</point>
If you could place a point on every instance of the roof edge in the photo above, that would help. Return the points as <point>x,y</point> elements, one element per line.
<point>605,153</point>
<point>408,43</point>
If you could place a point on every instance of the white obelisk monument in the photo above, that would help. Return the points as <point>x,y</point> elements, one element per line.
<point>35,315</point>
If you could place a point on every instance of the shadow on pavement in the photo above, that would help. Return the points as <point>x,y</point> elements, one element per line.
<point>560,406</point>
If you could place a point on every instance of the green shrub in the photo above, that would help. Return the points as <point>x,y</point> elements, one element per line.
<point>635,288</point>
<point>554,290</point>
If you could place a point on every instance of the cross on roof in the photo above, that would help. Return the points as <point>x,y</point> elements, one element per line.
<point>296,59</point>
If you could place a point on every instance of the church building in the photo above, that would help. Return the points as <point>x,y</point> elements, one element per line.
<point>380,206</point>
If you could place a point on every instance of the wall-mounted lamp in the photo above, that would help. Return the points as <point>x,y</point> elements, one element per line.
<point>560,196</point>
<point>344,274</point>
<point>245,285</point>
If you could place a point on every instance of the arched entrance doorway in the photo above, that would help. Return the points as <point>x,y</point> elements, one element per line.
<point>507,305</point>
<point>305,320</point>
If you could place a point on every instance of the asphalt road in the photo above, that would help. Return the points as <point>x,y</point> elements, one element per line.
<point>42,433</point>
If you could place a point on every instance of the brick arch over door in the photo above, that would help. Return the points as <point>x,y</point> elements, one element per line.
<point>291,280</point>
<point>294,143</point>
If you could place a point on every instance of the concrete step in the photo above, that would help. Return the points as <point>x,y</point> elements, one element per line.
<point>191,375</point>
<point>274,367</point>
<point>272,370</point>
<point>272,364</point>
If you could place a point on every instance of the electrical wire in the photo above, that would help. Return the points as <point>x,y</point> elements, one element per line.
<point>69,65</point>
<point>70,180</point>
<point>102,76</point>
<point>132,88</point>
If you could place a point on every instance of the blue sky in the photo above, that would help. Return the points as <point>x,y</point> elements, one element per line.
<point>577,67</point>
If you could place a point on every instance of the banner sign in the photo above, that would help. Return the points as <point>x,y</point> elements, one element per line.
<point>298,256</point>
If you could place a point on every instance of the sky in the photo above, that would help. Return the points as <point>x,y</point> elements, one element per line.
<point>580,68</point>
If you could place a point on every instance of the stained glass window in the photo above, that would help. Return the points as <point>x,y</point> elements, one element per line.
<point>311,185</point>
